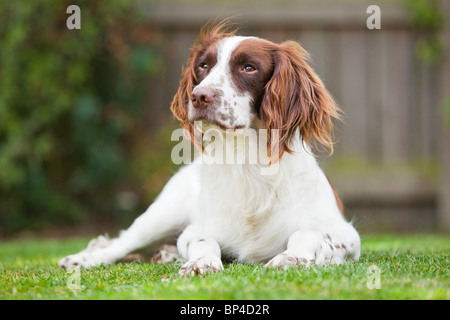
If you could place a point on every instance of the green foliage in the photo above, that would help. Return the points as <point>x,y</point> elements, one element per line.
<point>426,13</point>
<point>152,161</point>
<point>427,17</point>
<point>67,98</point>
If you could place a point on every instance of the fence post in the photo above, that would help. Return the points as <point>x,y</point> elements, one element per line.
<point>444,190</point>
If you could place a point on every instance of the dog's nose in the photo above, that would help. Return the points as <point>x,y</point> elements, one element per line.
<point>202,97</point>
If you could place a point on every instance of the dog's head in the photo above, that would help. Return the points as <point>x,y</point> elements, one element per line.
<point>237,82</point>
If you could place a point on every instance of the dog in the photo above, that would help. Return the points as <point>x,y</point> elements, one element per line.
<point>290,217</point>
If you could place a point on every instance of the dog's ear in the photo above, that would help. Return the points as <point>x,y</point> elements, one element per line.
<point>181,99</point>
<point>295,99</point>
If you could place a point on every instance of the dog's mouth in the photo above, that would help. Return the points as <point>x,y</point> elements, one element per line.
<point>207,119</point>
<point>206,124</point>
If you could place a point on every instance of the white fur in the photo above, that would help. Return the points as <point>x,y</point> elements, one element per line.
<point>288,218</point>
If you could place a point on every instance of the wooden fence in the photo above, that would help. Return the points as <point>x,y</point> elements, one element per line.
<point>392,153</point>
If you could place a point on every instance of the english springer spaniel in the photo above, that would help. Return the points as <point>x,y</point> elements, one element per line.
<point>287,217</point>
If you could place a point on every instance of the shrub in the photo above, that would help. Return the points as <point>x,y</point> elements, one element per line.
<point>67,100</point>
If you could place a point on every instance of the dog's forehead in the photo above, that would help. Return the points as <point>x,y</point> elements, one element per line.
<point>226,46</point>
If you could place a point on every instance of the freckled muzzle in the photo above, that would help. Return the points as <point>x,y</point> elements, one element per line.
<point>207,104</point>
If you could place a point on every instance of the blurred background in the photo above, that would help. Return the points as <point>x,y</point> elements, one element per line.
<point>85,123</point>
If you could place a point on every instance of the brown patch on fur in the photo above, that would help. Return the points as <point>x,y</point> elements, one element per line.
<point>338,200</point>
<point>258,54</point>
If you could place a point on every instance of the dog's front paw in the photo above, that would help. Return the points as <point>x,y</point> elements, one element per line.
<point>93,255</point>
<point>285,260</point>
<point>201,266</point>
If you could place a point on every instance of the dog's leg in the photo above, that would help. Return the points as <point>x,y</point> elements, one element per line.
<point>202,253</point>
<point>332,246</point>
<point>167,216</point>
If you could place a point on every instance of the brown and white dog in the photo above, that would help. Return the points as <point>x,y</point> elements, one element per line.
<point>291,217</point>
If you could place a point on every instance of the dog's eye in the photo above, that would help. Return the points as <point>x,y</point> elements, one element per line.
<point>249,68</point>
<point>204,65</point>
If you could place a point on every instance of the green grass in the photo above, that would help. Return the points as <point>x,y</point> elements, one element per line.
<point>412,267</point>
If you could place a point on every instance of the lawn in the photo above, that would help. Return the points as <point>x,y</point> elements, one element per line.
<point>408,267</point>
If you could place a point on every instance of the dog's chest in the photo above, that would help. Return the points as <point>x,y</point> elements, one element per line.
<point>250,238</point>
<point>244,215</point>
